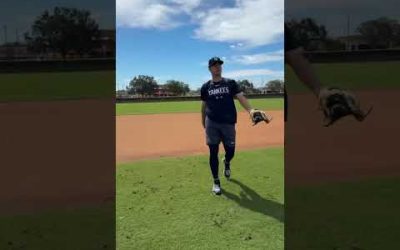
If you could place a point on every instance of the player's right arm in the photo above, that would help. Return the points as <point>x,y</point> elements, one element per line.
<point>203,94</point>
<point>203,113</point>
<point>294,56</point>
<point>303,69</point>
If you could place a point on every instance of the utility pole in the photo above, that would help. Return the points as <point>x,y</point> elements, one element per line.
<point>16,35</point>
<point>5,34</point>
<point>348,25</point>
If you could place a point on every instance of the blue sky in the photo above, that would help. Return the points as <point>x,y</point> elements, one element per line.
<point>173,39</point>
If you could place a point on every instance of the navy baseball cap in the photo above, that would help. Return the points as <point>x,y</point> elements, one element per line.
<point>215,60</point>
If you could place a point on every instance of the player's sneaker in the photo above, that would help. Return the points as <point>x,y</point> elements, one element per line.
<point>216,189</point>
<point>227,170</point>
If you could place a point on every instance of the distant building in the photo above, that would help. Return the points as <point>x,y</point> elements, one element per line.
<point>161,90</point>
<point>122,94</point>
<point>268,90</point>
<point>264,90</point>
<point>354,42</point>
<point>106,42</point>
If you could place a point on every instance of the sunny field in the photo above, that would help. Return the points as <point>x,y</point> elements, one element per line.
<point>168,204</point>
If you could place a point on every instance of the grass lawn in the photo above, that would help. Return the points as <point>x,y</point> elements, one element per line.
<point>167,204</point>
<point>360,215</point>
<point>89,228</point>
<point>188,106</point>
<point>358,75</point>
<point>56,85</point>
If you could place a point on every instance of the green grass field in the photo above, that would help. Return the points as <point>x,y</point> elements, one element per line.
<point>168,204</point>
<point>353,215</point>
<point>56,85</point>
<point>188,106</point>
<point>88,228</point>
<point>359,75</point>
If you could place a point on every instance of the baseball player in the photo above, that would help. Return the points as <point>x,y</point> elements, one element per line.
<point>219,116</point>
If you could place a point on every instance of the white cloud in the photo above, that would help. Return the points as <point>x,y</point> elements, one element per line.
<point>250,22</point>
<point>144,14</point>
<point>152,13</point>
<point>275,56</point>
<point>253,72</point>
<point>187,5</point>
<point>237,45</point>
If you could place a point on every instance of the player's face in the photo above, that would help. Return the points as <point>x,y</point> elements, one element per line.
<point>216,69</point>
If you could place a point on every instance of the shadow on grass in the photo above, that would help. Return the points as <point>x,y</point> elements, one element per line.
<point>251,200</point>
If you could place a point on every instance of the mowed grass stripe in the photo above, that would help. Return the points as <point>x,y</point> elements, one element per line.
<point>57,85</point>
<point>89,228</point>
<point>188,106</point>
<point>356,75</point>
<point>348,215</point>
<point>167,203</point>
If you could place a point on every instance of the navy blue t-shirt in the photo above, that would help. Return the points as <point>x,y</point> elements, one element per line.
<point>219,97</point>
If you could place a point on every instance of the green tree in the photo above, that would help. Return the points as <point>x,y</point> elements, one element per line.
<point>186,89</point>
<point>381,33</point>
<point>63,31</point>
<point>275,86</point>
<point>306,33</point>
<point>246,86</point>
<point>177,88</point>
<point>142,85</point>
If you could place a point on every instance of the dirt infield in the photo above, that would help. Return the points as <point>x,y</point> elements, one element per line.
<point>348,150</point>
<point>152,136</point>
<point>56,154</point>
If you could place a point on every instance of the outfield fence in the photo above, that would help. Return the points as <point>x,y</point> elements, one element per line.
<point>69,65</point>
<point>185,98</point>
<point>353,56</point>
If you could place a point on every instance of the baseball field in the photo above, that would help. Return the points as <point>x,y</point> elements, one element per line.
<point>163,183</point>
<point>164,198</point>
<point>47,199</point>
<point>335,176</point>
<point>342,182</point>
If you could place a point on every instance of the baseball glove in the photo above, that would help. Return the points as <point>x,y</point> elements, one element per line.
<point>259,116</point>
<point>337,103</point>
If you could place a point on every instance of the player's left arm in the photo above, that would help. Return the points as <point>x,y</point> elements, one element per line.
<point>243,101</point>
